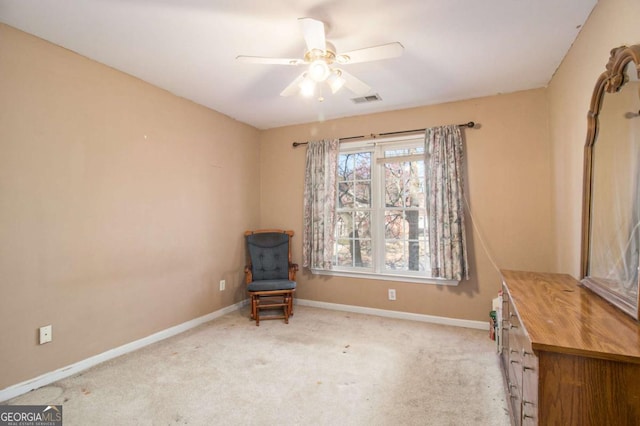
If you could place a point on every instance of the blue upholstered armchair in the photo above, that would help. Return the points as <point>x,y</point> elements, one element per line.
<point>270,274</point>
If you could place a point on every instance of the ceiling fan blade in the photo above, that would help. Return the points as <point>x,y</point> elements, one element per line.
<point>354,84</point>
<point>313,32</point>
<point>269,61</point>
<point>385,51</point>
<point>293,87</point>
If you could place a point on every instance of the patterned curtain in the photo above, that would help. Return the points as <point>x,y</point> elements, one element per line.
<point>445,203</point>
<point>320,204</point>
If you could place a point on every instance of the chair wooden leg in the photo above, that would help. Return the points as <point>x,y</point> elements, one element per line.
<point>287,312</point>
<point>291,304</point>
<point>256,301</point>
<point>253,298</point>
<point>257,310</point>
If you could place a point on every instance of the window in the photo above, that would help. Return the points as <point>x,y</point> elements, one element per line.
<point>381,221</point>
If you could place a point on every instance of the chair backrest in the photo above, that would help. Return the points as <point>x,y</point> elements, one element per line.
<point>269,255</point>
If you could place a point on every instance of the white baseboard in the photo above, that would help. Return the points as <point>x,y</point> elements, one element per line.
<point>481,325</point>
<point>69,370</point>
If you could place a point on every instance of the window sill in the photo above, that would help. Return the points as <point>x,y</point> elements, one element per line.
<point>386,277</point>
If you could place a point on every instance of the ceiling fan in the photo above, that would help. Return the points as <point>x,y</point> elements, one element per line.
<point>324,63</point>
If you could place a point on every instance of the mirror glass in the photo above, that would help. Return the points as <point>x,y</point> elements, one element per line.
<point>614,225</point>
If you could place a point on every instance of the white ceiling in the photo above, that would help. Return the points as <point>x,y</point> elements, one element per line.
<point>454,49</point>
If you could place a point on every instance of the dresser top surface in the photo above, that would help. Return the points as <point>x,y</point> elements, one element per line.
<point>559,315</point>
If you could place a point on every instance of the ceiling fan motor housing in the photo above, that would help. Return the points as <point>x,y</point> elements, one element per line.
<point>328,55</point>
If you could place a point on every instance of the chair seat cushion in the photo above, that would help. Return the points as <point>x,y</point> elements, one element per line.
<point>268,285</point>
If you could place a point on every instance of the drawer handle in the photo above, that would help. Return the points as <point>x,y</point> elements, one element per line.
<point>513,351</point>
<point>527,402</point>
<point>514,361</point>
<point>525,353</point>
<point>513,326</point>
<point>512,315</point>
<point>528,368</point>
<point>526,416</point>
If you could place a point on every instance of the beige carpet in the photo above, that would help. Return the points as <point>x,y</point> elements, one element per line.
<point>323,368</point>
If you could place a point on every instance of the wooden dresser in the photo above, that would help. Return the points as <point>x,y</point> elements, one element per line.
<point>568,356</point>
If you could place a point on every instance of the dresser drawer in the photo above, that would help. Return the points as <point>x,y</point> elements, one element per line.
<point>529,385</point>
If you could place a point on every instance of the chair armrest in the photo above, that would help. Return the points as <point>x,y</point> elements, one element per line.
<point>248,275</point>
<point>293,268</point>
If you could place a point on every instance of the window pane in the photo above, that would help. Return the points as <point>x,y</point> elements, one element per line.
<point>395,256</point>
<point>353,252</point>
<point>363,224</point>
<point>363,194</point>
<point>355,224</point>
<point>362,166</point>
<point>365,254</point>
<point>393,224</point>
<point>343,225</point>
<point>354,166</point>
<point>406,255</point>
<point>353,239</point>
<point>404,184</point>
<point>393,187</point>
<point>423,223</point>
<point>345,167</point>
<point>422,200</point>
<point>412,224</point>
<point>412,179</point>
<point>413,255</point>
<point>398,152</point>
<point>345,194</point>
<point>424,255</point>
<point>343,253</point>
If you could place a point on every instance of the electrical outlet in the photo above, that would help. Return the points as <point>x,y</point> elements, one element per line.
<point>223,284</point>
<point>392,294</point>
<point>45,334</point>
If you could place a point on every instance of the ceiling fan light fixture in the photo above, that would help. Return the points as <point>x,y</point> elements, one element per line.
<point>335,81</point>
<point>307,86</point>
<point>318,70</point>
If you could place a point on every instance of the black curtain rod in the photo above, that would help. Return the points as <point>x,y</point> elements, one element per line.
<point>470,125</point>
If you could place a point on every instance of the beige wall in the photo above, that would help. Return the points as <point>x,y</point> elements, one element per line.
<point>121,207</point>
<point>508,186</point>
<point>612,23</point>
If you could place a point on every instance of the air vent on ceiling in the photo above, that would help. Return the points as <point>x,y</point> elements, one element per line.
<point>365,99</point>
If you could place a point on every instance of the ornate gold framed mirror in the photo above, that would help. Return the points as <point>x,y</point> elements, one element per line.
<point>610,254</point>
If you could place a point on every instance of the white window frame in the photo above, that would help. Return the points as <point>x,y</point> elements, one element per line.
<point>378,271</point>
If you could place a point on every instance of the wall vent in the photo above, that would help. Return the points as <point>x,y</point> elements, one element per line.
<point>365,99</point>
